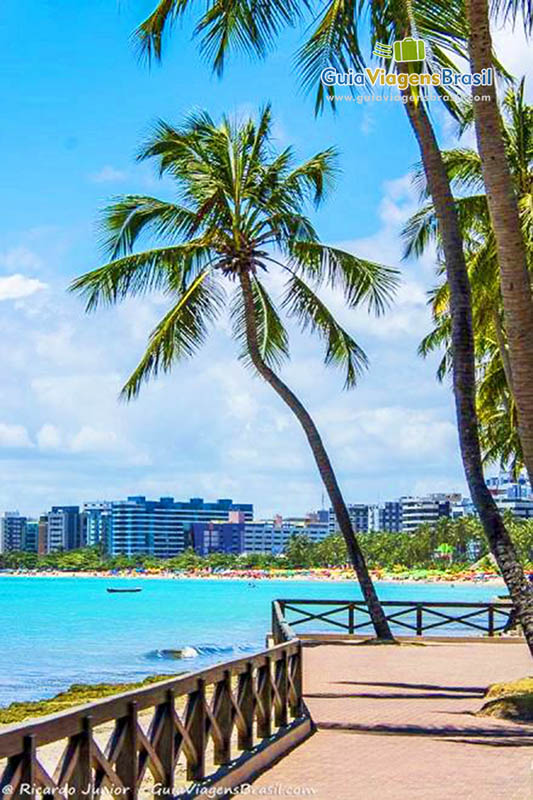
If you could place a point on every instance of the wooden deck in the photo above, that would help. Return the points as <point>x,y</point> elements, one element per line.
<point>397,722</point>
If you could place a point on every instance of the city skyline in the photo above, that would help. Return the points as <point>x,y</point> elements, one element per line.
<point>61,423</point>
<point>167,526</point>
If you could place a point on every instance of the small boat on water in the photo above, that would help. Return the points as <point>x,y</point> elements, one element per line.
<point>123,591</point>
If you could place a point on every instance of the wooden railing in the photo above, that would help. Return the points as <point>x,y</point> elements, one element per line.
<point>352,616</point>
<point>213,726</point>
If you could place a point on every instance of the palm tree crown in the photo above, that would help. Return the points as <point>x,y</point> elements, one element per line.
<point>496,407</point>
<point>239,208</point>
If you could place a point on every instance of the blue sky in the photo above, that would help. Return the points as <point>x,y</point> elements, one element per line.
<point>76,104</point>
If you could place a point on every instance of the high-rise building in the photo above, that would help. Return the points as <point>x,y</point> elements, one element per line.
<point>163,527</point>
<point>12,532</point>
<point>219,537</point>
<point>390,516</point>
<point>419,510</point>
<point>42,547</point>
<point>510,494</point>
<point>96,520</point>
<point>64,532</point>
<point>30,536</point>
<point>272,536</point>
<point>508,487</point>
<point>362,517</point>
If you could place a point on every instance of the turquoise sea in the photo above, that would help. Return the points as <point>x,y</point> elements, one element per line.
<point>59,631</point>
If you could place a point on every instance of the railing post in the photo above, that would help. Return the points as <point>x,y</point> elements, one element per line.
<point>491,619</point>
<point>351,618</point>
<point>296,708</point>
<point>82,779</point>
<point>280,672</point>
<point>127,762</point>
<point>245,698</point>
<point>166,749</point>
<point>28,763</point>
<point>419,620</point>
<point>264,707</point>
<point>195,723</point>
<point>275,624</point>
<point>224,717</point>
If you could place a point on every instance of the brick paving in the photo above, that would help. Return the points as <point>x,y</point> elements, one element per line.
<point>397,722</point>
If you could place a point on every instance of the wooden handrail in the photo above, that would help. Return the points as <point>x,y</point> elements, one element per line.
<point>254,697</point>
<point>403,603</point>
<point>470,615</point>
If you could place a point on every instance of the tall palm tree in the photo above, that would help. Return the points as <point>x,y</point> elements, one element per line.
<point>334,41</point>
<point>503,205</point>
<point>496,404</point>
<point>240,212</point>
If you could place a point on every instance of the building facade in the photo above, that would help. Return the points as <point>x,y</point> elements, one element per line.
<point>12,532</point>
<point>272,536</point>
<point>30,537</point>
<point>510,495</point>
<point>416,511</point>
<point>163,527</point>
<point>96,520</point>
<point>63,529</point>
<point>219,537</point>
<point>390,516</point>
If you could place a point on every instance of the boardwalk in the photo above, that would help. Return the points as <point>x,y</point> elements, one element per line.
<point>397,722</point>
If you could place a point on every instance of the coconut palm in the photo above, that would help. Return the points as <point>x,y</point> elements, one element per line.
<point>503,205</point>
<point>496,404</point>
<point>334,40</point>
<point>240,212</point>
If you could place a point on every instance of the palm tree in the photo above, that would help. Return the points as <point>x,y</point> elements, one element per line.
<point>241,212</point>
<point>503,205</point>
<point>495,393</point>
<point>334,41</point>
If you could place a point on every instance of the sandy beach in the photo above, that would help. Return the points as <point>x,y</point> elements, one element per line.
<point>328,575</point>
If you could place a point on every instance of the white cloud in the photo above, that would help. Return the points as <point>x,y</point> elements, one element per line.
<point>20,258</point>
<point>211,428</point>
<point>49,437</point>
<point>514,51</point>
<point>14,436</point>
<point>91,440</point>
<point>108,174</point>
<point>17,286</point>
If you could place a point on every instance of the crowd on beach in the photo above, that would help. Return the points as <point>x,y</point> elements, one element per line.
<point>252,575</point>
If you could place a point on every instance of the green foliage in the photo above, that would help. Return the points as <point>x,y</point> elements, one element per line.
<point>461,540</point>
<point>76,695</point>
<point>241,209</point>
<point>495,400</point>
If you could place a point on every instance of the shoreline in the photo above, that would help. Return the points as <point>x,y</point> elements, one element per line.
<point>323,576</point>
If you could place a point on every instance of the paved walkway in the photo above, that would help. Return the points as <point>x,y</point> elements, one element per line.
<point>397,723</point>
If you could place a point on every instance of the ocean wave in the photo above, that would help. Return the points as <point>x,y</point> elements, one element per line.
<point>197,650</point>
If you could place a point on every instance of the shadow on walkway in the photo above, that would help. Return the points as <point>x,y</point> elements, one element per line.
<point>478,690</point>
<point>510,737</point>
<point>395,695</point>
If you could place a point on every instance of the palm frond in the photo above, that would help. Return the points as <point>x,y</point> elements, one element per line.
<point>150,33</point>
<point>162,269</point>
<point>122,222</point>
<point>271,334</point>
<point>180,333</point>
<point>420,230</point>
<point>360,281</point>
<point>244,26</point>
<point>301,303</point>
<point>513,10</point>
<point>333,42</point>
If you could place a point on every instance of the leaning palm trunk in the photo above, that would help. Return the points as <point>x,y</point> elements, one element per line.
<point>502,202</point>
<point>464,383</point>
<point>381,626</point>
